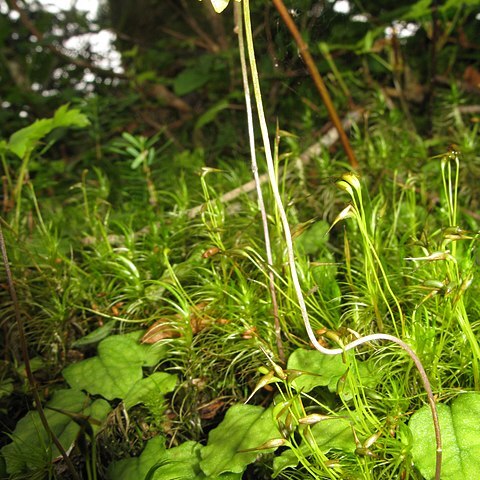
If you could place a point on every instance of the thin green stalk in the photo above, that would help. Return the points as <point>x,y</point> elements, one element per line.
<point>261,204</point>
<point>291,255</point>
<point>450,179</point>
<point>19,187</point>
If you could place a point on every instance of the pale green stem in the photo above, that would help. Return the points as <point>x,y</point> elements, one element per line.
<point>261,204</point>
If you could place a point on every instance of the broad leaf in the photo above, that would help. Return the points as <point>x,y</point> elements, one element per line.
<point>97,335</point>
<point>155,385</point>
<point>211,114</point>
<point>244,427</point>
<point>32,448</point>
<point>23,141</point>
<point>321,370</point>
<point>460,426</point>
<point>116,369</point>
<point>157,463</point>
<point>314,239</point>
<point>137,468</point>
<point>326,370</point>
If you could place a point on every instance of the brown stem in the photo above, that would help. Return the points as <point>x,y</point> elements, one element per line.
<point>317,79</point>
<point>26,359</point>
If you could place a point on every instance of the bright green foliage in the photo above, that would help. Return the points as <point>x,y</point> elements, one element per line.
<point>132,468</point>
<point>314,239</point>
<point>321,370</point>
<point>244,427</point>
<point>97,335</point>
<point>332,434</point>
<point>155,385</point>
<point>158,463</point>
<point>460,424</point>
<point>25,140</point>
<point>231,447</point>
<point>179,462</point>
<point>324,371</point>
<point>32,449</point>
<point>117,369</point>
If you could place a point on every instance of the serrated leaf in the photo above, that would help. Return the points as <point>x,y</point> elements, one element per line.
<point>69,117</point>
<point>32,449</point>
<point>157,384</point>
<point>244,427</point>
<point>459,424</point>
<point>25,140</point>
<point>115,370</point>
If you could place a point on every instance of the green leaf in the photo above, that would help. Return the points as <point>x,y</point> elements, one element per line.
<point>116,369</point>
<point>419,9</point>
<point>31,448</point>
<point>459,424</point>
<point>181,462</point>
<point>64,117</point>
<point>321,370</point>
<point>189,80</point>
<point>313,240</point>
<point>332,434</point>
<point>326,370</point>
<point>158,463</point>
<point>97,335</point>
<point>211,114</point>
<point>137,468</point>
<point>244,427</point>
<point>6,387</point>
<point>24,141</point>
<point>157,384</point>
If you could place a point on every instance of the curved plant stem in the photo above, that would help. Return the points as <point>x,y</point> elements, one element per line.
<point>291,255</point>
<point>26,359</point>
<point>261,204</point>
<point>317,80</point>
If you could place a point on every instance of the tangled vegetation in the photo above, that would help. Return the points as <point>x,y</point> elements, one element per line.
<point>165,316</point>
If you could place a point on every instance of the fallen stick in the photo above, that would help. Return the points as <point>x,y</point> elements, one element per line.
<point>327,140</point>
